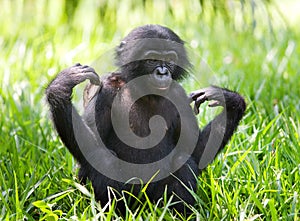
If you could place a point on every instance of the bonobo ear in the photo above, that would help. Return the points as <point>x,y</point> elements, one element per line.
<point>121,46</point>
<point>119,51</point>
<point>122,43</point>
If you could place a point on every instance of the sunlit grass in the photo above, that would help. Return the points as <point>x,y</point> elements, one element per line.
<point>257,176</point>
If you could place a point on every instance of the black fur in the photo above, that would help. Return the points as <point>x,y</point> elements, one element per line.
<point>59,98</point>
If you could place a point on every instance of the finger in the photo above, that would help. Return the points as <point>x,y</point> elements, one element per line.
<point>198,102</point>
<point>91,74</point>
<point>214,93</point>
<point>86,69</point>
<point>201,99</point>
<point>95,81</point>
<point>196,109</point>
<point>196,94</point>
<point>190,99</point>
<point>214,104</point>
<point>93,77</point>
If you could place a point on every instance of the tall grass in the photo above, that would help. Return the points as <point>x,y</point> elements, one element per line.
<point>257,177</point>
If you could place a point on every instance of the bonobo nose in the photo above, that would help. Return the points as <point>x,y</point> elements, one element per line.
<point>162,70</point>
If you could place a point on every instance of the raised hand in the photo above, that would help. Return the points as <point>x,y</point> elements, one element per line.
<point>78,73</point>
<point>214,94</point>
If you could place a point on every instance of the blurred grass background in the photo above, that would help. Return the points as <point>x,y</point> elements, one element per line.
<point>248,46</point>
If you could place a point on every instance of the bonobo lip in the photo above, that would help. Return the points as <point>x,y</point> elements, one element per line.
<point>160,81</point>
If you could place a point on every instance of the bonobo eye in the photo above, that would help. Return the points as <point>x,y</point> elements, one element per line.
<point>170,60</point>
<point>171,57</point>
<point>151,61</point>
<point>152,57</point>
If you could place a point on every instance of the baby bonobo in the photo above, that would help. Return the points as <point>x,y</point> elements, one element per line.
<point>138,127</point>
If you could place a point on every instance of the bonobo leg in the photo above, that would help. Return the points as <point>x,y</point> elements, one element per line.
<point>217,133</point>
<point>58,95</point>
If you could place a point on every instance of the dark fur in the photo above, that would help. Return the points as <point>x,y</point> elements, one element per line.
<point>59,98</point>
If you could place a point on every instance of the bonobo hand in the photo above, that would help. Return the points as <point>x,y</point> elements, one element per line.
<point>76,74</point>
<point>212,93</point>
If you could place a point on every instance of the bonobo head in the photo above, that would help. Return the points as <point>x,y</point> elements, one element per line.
<point>153,50</point>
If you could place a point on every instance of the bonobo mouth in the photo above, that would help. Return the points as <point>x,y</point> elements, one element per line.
<point>159,80</point>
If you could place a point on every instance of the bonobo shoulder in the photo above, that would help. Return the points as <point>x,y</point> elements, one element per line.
<point>113,81</point>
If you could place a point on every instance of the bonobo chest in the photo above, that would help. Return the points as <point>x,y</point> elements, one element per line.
<point>142,130</point>
<point>144,112</point>
<point>128,107</point>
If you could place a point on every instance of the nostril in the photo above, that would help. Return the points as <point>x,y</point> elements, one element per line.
<point>162,70</point>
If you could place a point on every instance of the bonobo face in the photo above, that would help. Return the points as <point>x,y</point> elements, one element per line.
<point>160,59</point>
<point>160,65</point>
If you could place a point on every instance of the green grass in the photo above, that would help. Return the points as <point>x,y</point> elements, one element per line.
<point>257,176</point>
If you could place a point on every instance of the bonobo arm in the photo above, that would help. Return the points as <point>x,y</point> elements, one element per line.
<point>217,133</point>
<point>59,94</point>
